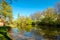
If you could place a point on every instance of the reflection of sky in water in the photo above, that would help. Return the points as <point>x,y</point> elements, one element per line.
<point>58,37</point>
<point>28,34</point>
<point>15,30</point>
<point>31,34</point>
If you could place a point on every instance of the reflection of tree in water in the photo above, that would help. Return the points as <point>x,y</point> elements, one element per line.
<point>50,32</point>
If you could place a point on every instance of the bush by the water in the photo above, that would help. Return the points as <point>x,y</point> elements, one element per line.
<point>4,33</point>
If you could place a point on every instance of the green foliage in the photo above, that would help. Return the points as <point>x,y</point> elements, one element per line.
<point>6,11</point>
<point>22,22</point>
<point>28,28</point>
<point>48,24</point>
<point>28,21</point>
<point>2,37</point>
<point>3,33</point>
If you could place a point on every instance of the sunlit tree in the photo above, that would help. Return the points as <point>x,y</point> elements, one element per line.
<point>50,15</point>
<point>57,9</point>
<point>6,11</point>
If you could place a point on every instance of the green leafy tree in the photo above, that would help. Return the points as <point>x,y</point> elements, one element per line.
<point>50,19</point>
<point>50,16</point>
<point>6,11</point>
<point>22,23</point>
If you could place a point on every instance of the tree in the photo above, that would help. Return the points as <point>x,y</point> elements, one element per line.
<point>36,16</point>
<point>50,16</point>
<point>28,20</point>
<point>57,9</point>
<point>9,1</point>
<point>23,23</point>
<point>6,11</point>
<point>50,20</point>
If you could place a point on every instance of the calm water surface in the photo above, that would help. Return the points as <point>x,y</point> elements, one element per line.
<point>25,35</point>
<point>28,35</point>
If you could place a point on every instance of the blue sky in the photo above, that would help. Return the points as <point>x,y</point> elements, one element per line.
<point>27,7</point>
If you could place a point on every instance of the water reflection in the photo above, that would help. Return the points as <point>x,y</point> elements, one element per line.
<point>25,35</point>
<point>28,34</point>
<point>34,34</point>
<point>58,37</point>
